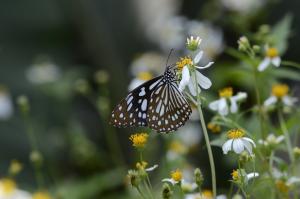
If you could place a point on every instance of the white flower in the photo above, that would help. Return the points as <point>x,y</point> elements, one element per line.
<point>44,71</point>
<point>193,44</point>
<point>272,57</point>
<point>272,140</point>
<point>6,105</point>
<point>188,80</point>
<point>280,93</point>
<point>237,142</point>
<point>222,105</point>
<point>243,7</point>
<point>206,194</point>
<point>213,44</point>
<point>8,190</point>
<point>139,79</point>
<point>190,134</point>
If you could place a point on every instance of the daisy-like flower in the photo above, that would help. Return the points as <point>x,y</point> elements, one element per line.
<point>227,99</point>
<point>271,140</point>
<point>43,71</point>
<point>187,66</point>
<point>205,194</point>
<point>9,190</point>
<point>284,185</point>
<point>214,128</point>
<point>41,195</point>
<point>272,57</point>
<point>176,149</point>
<point>139,79</point>
<point>176,177</point>
<point>139,140</point>
<point>142,166</point>
<point>242,7</point>
<point>240,176</point>
<point>237,142</point>
<point>280,93</point>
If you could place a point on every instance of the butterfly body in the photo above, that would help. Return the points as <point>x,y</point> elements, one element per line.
<point>156,103</point>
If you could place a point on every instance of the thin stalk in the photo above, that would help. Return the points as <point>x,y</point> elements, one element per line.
<point>286,136</point>
<point>140,192</point>
<point>210,154</point>
<point>203,124</point>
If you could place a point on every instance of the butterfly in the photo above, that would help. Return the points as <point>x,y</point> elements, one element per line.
<point>157,104</point>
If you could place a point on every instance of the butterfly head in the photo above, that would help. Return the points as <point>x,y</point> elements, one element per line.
<point>169,74</point>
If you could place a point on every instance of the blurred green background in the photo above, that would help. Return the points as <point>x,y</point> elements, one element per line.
<point>69,112</point>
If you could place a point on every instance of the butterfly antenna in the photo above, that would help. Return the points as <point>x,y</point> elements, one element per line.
<point>169,56</point>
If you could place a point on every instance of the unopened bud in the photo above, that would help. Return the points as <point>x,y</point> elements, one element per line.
<point>134,178</point>
<point>36,158</point>
<point>23,103</point>
<point>198,177</point>
<point>166,192</point>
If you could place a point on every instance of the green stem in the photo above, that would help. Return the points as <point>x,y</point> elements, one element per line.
<point>140,192</point>
<point>286,136</point>
<point>258,99</point>
<point>210,154</point>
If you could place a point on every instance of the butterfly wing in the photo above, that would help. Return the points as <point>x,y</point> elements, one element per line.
<point>132,110</point>
<point>168,108</point>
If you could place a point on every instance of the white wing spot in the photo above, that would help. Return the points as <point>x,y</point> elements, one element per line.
<point>144,105</point>
<point>142,93</point>
<point>121,115</point>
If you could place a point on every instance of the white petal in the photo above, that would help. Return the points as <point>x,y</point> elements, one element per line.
<point>240,96</point>
<point>249,140</point>
<point>270,101</point>
<point>233,106</point>
<point>221,196</point>
<point>223,107</point>
<point>227,146</point>
<point>203,81</point>
<point>185,78</point>
<point>214,105</point>
<point>192,88</point>
<point>279,138</point>
<point>276,61</point>
<point>264,64</point>
<point>289,101</point>
<point>170,180</point>
<point>252,175</point>
<point>198,57</point>
<point>293,180</point>
<point>206,66</point>
<point>152,168</point>
<point>238,146</point>
<point>247,145</point>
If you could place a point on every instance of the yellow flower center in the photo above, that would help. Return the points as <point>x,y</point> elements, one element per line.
<point>226,92</point>
<point>8,185</point>
<point>145,76</point>
<point>214,127</point>
<point>207,194</point>
<point>176,175</point>
<point>183,62</point>
<point>235,175</point>
<point>41,195</point>
<point>177,147</point>
<point>141,165</point>
<point>280,90</point>
<point>272,52</point>
<point>235,133</point>
<point>282,186</point>
<point>139,139</point>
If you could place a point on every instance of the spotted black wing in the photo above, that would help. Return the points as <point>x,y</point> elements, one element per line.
<point>132,111</point>
<point>168,108</point>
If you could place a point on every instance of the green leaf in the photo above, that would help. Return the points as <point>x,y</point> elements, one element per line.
<point>286,73</point>
<point>281,32</point>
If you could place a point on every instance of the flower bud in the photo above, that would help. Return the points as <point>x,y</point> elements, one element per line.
<point>243,43</point>
<point>36,158</point>
<point>82,86</point>
<point>23,103</point>
<point>296,151</point>
<point>166,192</point>
<point>198,177</point>
<point>256,48</point>
<point>134,178</point>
